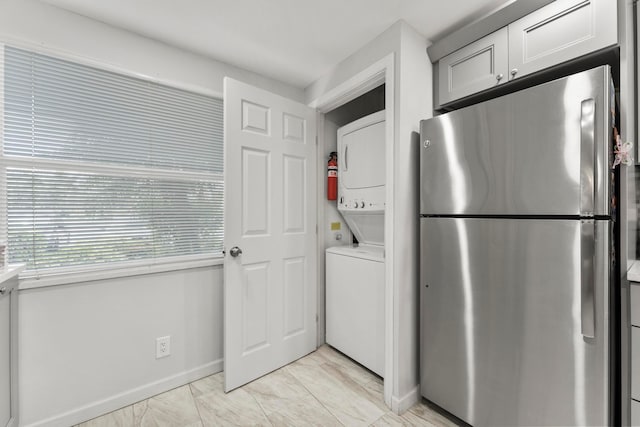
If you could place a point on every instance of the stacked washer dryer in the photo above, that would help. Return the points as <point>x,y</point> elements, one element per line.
<point>355,273</point>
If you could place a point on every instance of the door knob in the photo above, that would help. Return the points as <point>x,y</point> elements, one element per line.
<point>235,251</point>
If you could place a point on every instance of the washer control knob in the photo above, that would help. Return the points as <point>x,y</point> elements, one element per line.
<point>362,204</point>
<point>355,204</point>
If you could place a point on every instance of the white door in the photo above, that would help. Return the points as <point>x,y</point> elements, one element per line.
<point>270,215</point>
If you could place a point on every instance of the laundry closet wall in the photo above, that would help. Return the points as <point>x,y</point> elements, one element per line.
<point>412,88</point>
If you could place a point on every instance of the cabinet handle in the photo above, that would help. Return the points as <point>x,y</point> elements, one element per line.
<point>514,72</point>
<point>499,77</point>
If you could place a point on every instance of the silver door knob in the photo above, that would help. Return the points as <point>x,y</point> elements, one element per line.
<point>499,77</point>
<point>235,251</point>
<point>514,72</point>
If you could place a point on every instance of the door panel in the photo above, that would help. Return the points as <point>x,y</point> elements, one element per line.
<point>294,296</point>
<point>294,128</point>
<point>255,192</point>
<point>255,118</point>
<point>255,306</point>
<point>521,154</point>
<point>295,173</point>
<point>270,205</point>
<point>501,324</point>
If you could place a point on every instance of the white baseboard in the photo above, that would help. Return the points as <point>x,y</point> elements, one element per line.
<point>400,405</point>
<point>129,397</point>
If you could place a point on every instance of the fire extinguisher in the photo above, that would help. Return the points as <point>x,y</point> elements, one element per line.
<point>332,176</point>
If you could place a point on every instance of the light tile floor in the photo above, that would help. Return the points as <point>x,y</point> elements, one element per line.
<point>324,388</point>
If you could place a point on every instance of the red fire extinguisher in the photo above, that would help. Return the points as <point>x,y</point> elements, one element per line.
<point>332,176</point>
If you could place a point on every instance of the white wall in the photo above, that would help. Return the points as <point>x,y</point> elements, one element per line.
<point>378,48</point>
<point>89,348</point>
<point>327,215</point>
<point>43,25</point>
<point>413,101</point>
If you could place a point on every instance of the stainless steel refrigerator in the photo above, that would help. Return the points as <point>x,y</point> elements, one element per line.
<point>516,256</point>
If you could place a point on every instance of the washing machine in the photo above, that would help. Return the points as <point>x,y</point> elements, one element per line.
<point>355,274</point>
<point>355,304</point>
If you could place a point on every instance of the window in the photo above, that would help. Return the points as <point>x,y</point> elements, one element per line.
<point>103,168</point>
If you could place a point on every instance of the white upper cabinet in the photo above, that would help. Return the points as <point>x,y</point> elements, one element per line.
<point>556,33</point>
<point>478,66</point>
<point>563,30</point>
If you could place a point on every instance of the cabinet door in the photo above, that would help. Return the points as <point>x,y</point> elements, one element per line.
<point>635,413</point>
<point>478,66</point>
<point>635,304</point>
<point>9,353</point>
<point>5,359</point>
<point>635,363</point>
<point>560,31</point>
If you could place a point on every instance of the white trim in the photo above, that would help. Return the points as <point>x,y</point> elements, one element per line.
<point>96,168</point>
<point>129,397</point>
<point>369,78</point>
<point>321,288</point>
<point>91,62</point>
<point>382,71</point>
<point>32,280</point>
<point>389,285</point>
<point>400,405</point>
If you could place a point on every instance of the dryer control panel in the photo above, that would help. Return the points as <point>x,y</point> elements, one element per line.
<point>360,204</point>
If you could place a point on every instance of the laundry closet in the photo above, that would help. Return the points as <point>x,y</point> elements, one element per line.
<point>354,229</point>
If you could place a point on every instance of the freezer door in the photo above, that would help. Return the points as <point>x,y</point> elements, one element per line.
<point>514,320</point>
<point>540,151</point>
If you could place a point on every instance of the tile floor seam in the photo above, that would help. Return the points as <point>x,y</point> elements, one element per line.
<point>362,391</point>
<point>196,403</point>
<point>260,406</point>
<point>315,397</point>
<point>144,412</point>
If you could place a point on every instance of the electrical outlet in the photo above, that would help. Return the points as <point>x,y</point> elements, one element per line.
<point>163,346</point>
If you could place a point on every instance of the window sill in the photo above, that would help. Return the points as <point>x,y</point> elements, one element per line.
<point>112,272</point>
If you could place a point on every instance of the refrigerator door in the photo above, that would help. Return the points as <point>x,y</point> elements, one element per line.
<point>541,151</point>
<point>514,320</point>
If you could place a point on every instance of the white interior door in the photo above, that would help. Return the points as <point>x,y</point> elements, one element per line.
<point>270,215</point>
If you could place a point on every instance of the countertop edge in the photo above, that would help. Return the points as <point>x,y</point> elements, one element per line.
<point>633,274</point>
<point>10,271</point>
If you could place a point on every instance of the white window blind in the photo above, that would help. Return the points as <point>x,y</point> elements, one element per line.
<point>103,168</point>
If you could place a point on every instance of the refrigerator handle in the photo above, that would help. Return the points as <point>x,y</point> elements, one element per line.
<point>587,156</point>
<point>587,278</point>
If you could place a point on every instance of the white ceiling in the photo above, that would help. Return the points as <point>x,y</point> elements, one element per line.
<point>293,41</point>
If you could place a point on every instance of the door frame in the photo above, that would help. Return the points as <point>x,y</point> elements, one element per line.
<point>382,71</point>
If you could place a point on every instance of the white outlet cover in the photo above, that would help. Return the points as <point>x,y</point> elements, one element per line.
<point>163,346</point>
